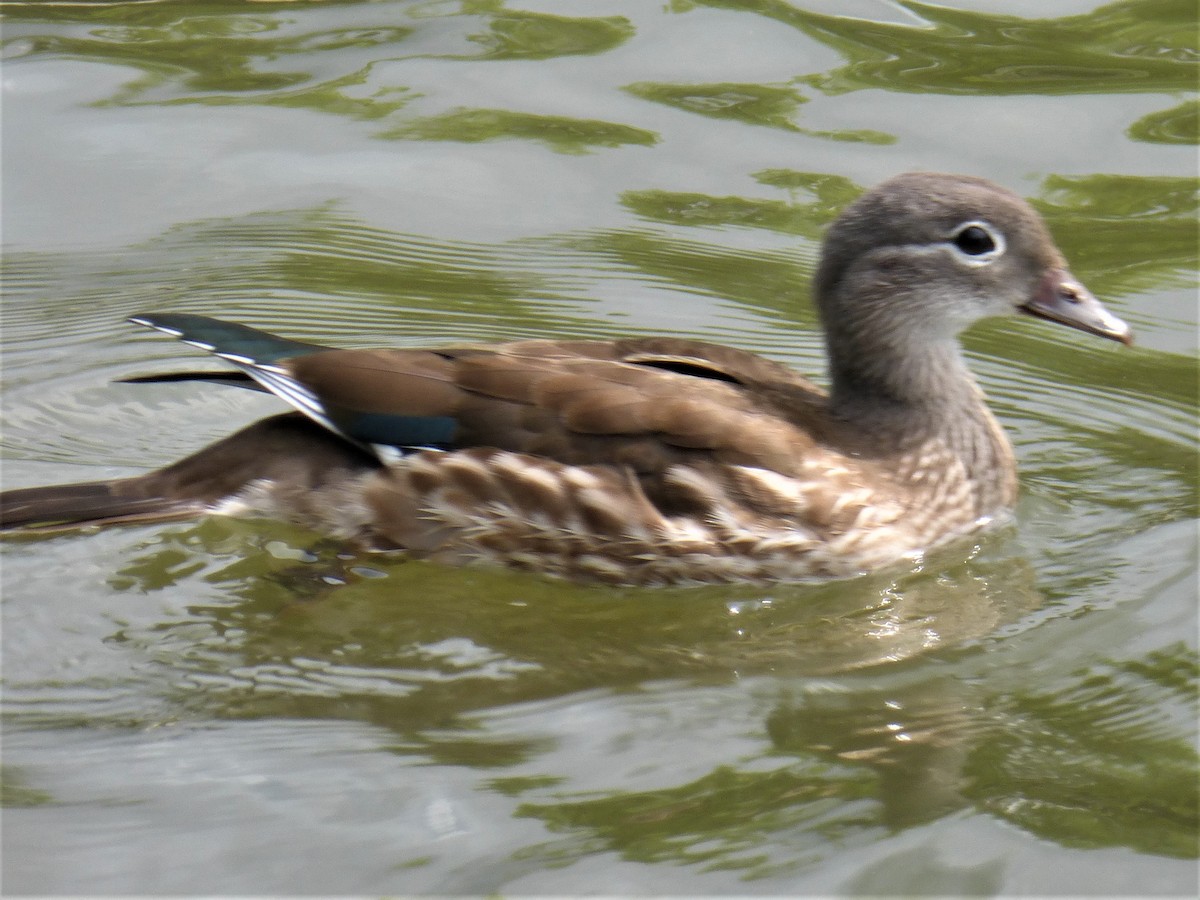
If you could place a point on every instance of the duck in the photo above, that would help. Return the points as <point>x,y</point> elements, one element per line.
<point>648,460</point>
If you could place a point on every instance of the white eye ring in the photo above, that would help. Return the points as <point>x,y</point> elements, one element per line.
<point>977,243</point>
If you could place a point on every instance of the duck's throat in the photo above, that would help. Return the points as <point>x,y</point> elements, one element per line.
<point>901,376</point>
<point>923,409</point>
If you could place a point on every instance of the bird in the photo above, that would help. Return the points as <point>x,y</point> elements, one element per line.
<point>649,460</point>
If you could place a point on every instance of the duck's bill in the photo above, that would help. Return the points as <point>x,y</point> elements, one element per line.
<point>1060,298</point>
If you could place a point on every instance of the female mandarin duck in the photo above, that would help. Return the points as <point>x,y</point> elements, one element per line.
<point>652,460</point>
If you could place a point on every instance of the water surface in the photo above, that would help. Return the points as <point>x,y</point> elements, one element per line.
<point>241,707</point>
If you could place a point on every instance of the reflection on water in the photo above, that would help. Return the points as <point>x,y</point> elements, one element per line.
<point>561,133</point>
<point>752,104</point>
<point>1130,45</point>
<point>331,604</point>
<point>854,758</point>
<point>242,707</point>
<point>1178,125</point>
<point>311,634</point>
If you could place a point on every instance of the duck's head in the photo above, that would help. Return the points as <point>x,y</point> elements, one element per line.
<point>943,251</point>
<point>922,256</point>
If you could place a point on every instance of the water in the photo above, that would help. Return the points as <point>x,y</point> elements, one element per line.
<point>238,707</point>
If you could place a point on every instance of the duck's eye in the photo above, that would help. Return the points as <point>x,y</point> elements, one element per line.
<point>978,242</point>
<point>974,241</point>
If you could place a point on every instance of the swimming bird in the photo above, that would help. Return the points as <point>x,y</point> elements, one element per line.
<point>652,460</point>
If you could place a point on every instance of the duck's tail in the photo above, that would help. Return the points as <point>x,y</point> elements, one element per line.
<point>289,453</point>
<point>61,507</point>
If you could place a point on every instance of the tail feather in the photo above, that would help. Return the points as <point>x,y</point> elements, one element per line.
<point>226,339</point>
<point>233,379</point>
<point>65,506</point>
<point>288,452</point>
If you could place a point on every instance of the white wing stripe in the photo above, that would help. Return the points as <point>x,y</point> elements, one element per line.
<point>236,358</point>
<point>274,378</point>
<point>287,388</point>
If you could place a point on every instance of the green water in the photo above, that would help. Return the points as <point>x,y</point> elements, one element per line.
<point>240,707</point>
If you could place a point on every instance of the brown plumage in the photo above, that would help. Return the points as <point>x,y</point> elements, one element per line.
<point>647,461</point>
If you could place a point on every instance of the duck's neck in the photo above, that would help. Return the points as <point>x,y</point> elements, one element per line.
<point>898,377</point>
<point>907,396</point>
